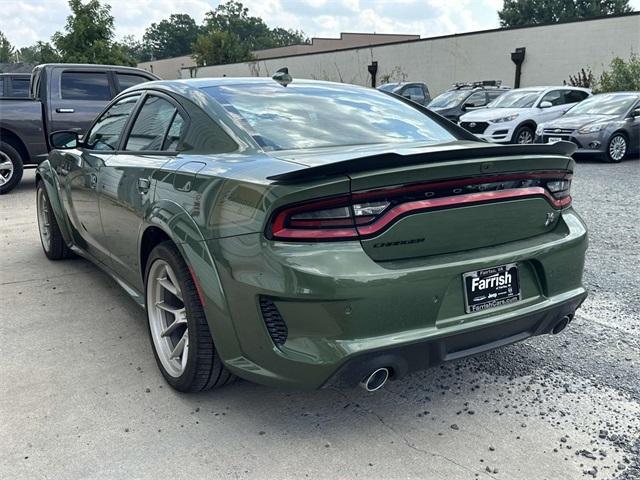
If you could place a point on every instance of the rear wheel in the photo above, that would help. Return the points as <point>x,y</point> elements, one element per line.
<point>10,167</point>
<point>180,336</point>
<point>51,238</point>
<point>617,148</point>
<point>523,135</point>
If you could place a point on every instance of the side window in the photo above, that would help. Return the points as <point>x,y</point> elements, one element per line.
<point>175,133</point>
<point>85,86</point>
<point>106,133</point>
<point>556,97</point>
<point>126,80</point>
<point>151,125</point>
<point>575,96</point>
<point>476,99</point>
<point>20,87</point>
<point>414,93</point>
<point>1,87</point>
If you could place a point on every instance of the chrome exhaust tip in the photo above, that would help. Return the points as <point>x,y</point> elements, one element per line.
<point>375,380</point>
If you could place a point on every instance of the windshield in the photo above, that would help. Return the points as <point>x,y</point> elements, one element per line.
<point>308,115</point>
<point>449,99</point>
<point>388,87</point>
<point>605,104</point>
<point>516,99</point>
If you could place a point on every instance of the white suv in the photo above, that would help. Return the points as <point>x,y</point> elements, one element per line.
<point>514,116</point>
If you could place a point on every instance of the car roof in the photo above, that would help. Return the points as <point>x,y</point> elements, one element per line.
<point>15,74</point>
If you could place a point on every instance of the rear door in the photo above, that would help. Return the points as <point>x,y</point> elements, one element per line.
<point>125,179</point>
<point>76,97</point>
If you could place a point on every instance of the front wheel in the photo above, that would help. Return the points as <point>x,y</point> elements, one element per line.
<point>51,238</point>
<point>617,148</point>
<point>180,336</point>
<point>523,135</point>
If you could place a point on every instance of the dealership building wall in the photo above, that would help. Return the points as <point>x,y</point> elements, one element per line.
<point>553,52</point>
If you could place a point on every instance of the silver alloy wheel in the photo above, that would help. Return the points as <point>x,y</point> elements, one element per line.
<point>44,219</point>
<point>6,168</point>
<point>525,136</point>
<point>617,148</point>
<point>167,318</point>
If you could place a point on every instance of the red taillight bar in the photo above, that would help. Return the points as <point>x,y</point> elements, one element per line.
<point>284,227</point>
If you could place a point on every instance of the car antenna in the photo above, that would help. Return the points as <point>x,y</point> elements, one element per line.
<point>282,76</point>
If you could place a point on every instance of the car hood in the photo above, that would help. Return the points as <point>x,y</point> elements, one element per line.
<point>486,114</point>
<point>577,121</point>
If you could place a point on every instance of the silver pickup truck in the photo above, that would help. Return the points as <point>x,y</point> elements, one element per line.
<point>62,97</point>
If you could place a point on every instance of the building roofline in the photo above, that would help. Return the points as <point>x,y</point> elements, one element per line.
<point>439,37</point>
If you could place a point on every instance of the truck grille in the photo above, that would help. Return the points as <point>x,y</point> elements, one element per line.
<point>273,320</point>
<point>474,127</point>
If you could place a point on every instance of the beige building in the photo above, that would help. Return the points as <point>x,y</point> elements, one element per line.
<point>552,53</point>
<point>169,68</point>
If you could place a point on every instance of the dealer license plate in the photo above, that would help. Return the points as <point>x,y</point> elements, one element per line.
<point>490,288</point>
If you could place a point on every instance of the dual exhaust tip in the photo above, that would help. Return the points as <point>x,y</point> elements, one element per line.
<point>376,379</point>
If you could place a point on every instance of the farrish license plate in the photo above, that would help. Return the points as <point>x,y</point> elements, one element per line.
<point>490,288</point>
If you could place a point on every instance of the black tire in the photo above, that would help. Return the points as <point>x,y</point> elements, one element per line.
<point>204,369</point>
<point>613,155</point>
<point>55,248</point>
<point>9,154</point>
<point>524,130</point>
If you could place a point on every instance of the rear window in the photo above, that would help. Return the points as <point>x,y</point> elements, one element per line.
<point>126,80</point>
<point>20,87</point>
<point>85,86</point>
<point>307,115</point>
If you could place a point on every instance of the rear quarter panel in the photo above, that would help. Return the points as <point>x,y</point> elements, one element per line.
<point>24,119</point>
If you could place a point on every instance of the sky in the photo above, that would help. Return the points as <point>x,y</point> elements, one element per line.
<point>26,21</point>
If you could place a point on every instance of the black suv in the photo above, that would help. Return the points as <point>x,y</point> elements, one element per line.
<point>414,91</point>
<point>465,97</point>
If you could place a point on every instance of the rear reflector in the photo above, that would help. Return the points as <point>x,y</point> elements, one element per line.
<point>366,214</point>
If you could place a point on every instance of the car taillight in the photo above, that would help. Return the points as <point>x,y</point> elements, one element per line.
<point>366,214</point>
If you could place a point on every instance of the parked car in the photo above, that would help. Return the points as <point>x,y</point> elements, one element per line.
<point>414,91</point>
<point>63,97</point>
<point>14,85</point>
<point>466,97</point>
<point>314,235</point>
<point>605,125</point>
<point>514,116</point>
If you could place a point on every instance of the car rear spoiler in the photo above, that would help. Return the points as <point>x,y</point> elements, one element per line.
<point>388,160</point>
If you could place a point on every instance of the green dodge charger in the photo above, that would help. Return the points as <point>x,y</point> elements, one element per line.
<point>308,234</point>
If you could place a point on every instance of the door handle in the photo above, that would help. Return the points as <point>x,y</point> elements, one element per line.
<point>143,185</point>
<point>65,110</point>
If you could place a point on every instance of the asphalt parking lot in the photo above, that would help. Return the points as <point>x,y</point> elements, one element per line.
<point>81,397</point>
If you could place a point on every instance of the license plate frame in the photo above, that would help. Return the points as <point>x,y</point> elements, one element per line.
<point>494,287</point>
<point>554,139</point>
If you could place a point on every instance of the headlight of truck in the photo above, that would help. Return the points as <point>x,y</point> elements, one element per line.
<point>505,119</point>
<point>593,128</point>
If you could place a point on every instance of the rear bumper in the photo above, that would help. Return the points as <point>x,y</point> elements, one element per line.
<point>421,355</point>
<point>345,312</point>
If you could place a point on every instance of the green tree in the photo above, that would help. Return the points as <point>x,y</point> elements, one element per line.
<point>621,76</point>
<point>136,49</point>
<point>6,49</point>
<point>88,36</point>
<point>216,48</point>
<point>231,25</point>
<point>171,37</point>
<point>517,13</point>
<point>40,52</point>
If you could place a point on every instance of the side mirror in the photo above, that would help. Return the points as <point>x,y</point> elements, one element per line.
<point>64,139</point>
<point>635,113</point>
<point>546,104</point>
